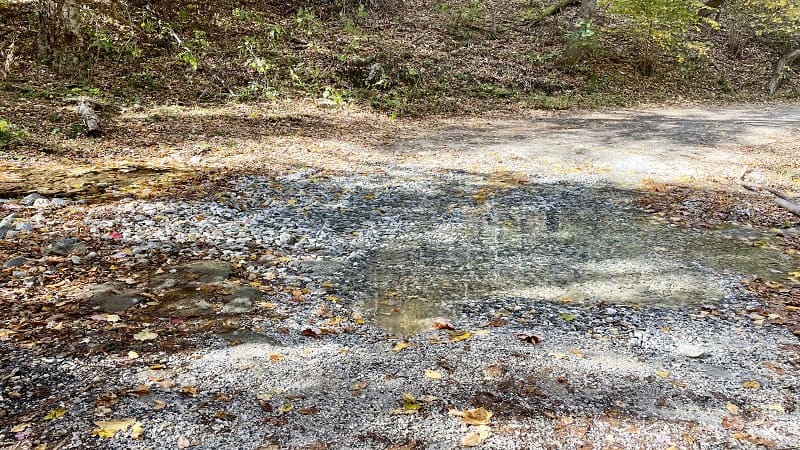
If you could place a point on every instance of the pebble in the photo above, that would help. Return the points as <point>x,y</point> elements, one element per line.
<point>24,226</point>
<point>41,203</point>
<point>30,199</point>
<point>15,262</point>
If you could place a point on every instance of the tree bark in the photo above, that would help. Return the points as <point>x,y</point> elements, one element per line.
<point>60,40</point>
<point>786,60</point>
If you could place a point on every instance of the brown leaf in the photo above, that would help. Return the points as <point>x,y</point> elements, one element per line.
<point>311,332</point>
<point>310,411</point>
<point>477,416</point>
<point>532,339</point>
<point>441,323</point>
<point>183,442</point>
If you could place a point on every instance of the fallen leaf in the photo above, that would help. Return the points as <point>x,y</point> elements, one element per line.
<point>20,427</point>
<point>774,367</point>
<point>478,416</point>
<point>567,317</point>
<point>311,332</point>
<point>577,353</point>
<point>310,411</point>
<point>145,335</point>
<point>440,323</point>
<point>55,414</point>
<point>189,391</point>
<point>183,442</point>
<point>409,402</point>
<point>732,408</point>
<point>132,355</point>
<point>158,405</point>
<point>476,437</point>
<point>433,374</point>
<point>662,373</point>
<point>752,384</point>
<point>358,386</point>
<point>285,408</point>
<point>106,317</point>
<point>457,336</point>
<point>498,322</point>
<point>532,339</point>
<point>400,346</point>
<point>558,355</point>
<point>777,407</point>
<point>275,357</point>
<point>426,398</point>
<point>108,428</point>
<point>136,431</point>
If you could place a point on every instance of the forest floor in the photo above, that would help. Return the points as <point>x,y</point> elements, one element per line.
<point>247,277</point>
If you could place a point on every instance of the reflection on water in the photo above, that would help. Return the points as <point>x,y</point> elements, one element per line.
<point>577,244</point>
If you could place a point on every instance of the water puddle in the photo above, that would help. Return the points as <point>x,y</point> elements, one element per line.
<point>549,244</point>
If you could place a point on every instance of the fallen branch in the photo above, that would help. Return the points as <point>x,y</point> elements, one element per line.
<point>783,200</point>
<point>89,118</point>
<point>786,60</point>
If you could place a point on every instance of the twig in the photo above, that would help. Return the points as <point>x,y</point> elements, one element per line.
<point>783,200</point>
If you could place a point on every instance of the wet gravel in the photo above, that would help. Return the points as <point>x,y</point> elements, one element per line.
<point>647,335</point>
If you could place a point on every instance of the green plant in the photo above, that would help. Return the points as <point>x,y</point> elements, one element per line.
<point>307,22</point>
<point>463,19</point>
<point>9,133</point>
<point>193,49</point>
<point>658,25</point>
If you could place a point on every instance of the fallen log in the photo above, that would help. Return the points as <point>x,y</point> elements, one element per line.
<point>89,118</point>
<point>783,200</point>
<point>785,61</point>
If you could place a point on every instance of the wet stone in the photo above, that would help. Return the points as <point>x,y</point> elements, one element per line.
<point>247,337</point>
<point>114,297</point>
<point>209,271</point>
<point>241,301</point>
<point>66,246</point>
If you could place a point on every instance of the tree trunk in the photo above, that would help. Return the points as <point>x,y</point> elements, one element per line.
<point>60,40</point>
<point>575,51</point>
<point>786,60</point>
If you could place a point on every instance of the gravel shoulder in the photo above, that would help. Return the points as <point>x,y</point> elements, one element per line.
<point>364,296</point>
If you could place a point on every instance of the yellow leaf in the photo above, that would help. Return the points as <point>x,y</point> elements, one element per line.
<point>733,409</point>
<point>662,373</point>
<point>55,414</point>
<point>433,374</point>
<point>4,332</point>
<point>275,357</point>
<point>400,346</point>
<point>285,408</point>
<point>457,336</point>
<point>557,355</point>
<point>132,355</point>
<point>108,428</point>
<point>751,384</point>
<point>136,431</point>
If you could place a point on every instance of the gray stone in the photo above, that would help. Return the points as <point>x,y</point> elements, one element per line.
<point>59,202</point>
<point>211,271</point>
<point>15,262</point>
<point>66,246</point>
<point>248,337</point>
<point>31,198</point>
<point>41,203</point>
<point>114,297</point>
<point>691,351</point>
<point>24,226</point>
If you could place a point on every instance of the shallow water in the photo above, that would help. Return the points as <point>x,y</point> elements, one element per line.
<point>550,243</point>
